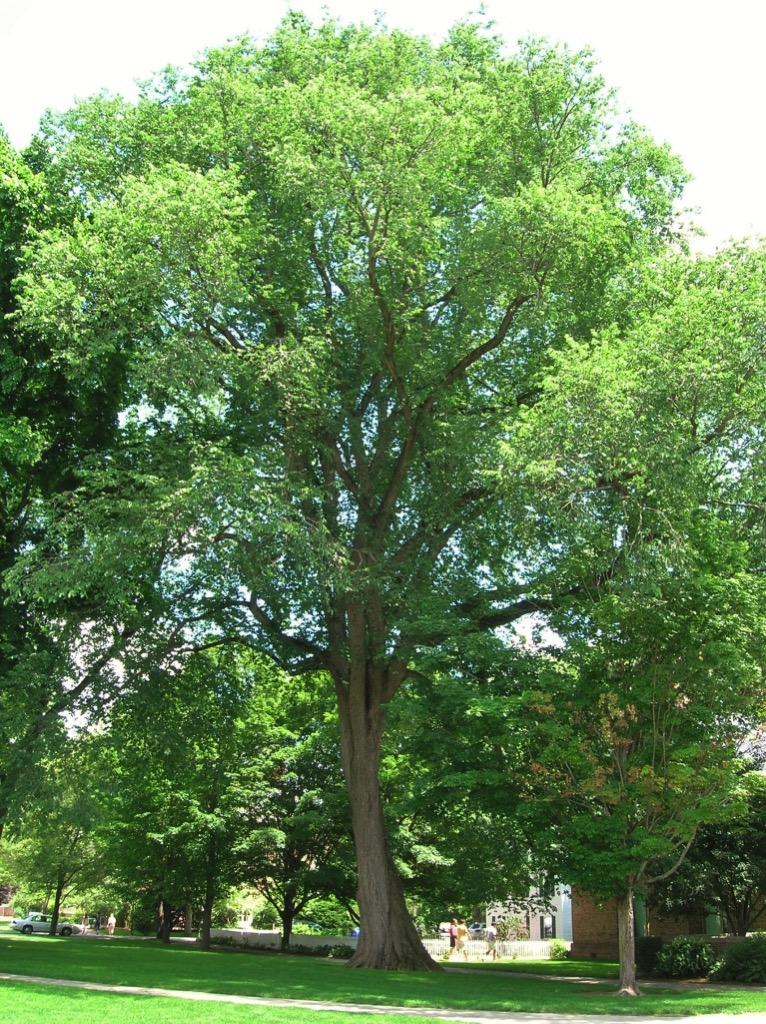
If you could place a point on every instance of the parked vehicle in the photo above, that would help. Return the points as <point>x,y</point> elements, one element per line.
<point>42,923</point>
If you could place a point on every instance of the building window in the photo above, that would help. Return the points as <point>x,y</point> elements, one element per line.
<point>547,926</point>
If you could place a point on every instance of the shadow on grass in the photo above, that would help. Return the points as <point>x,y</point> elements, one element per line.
<point>280,976</point>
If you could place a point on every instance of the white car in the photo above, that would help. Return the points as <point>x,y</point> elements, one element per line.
<point>42,923</point>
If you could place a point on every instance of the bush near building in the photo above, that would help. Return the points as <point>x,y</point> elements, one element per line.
<point>745,961</point>
<point>686,956</point>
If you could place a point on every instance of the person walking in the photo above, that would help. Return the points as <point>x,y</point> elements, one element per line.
<point>462,940</point>
<point>97,924</point>
<point>111,921</point>
<point>490,934</point>
<point>452,936</point>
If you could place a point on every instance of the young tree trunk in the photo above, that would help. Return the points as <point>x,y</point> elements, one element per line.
<point>627,940</point>
<point>188,920</point>
<point>207,922</point>
<point>207,917</point>
<point>739,916</point>
<point>286,916</point>
<point>164,920</point>
<point>57,906</point>
<point>388,939</point>
<point>207,908</point>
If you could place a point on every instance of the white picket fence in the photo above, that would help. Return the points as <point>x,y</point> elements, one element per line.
<point>477,949</point>
<point>273,940</point>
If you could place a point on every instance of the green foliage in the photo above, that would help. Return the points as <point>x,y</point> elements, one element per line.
<point>52,421</point>
<point>177,749</point>
<point>143,913</point>
<point>452,815</point>
<point>684,957</point>
<point>559,949</point>
<point>725,868</point>
<point>512,927</point>
<point>647,950</point>
<point>294,849</point>
<point>331,914</point>
<point>56,856</point>
<point>337,951</point>
<point>744,961</point>
<point>388,368</point>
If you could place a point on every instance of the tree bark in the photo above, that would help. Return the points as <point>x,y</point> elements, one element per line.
<point>207,908</point>
<point>388,939</point>
<point>57,905</point>
<point>164,920</point>
<point>627,943</point>
<point>207,917</point>
<point>286,916</point>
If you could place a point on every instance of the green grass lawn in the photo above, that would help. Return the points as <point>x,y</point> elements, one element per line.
<point>549,968</point>
<point>38,1004</point>
<point>147,963</point>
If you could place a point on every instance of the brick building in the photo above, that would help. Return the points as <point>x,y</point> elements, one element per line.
<point>594,926</point>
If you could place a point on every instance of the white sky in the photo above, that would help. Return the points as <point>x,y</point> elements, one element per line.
<point>691,72</point>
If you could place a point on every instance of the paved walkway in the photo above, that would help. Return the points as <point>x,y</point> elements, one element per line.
<point>469,1017</point>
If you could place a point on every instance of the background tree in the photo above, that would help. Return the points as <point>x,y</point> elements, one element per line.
<point>55,414</point>
<point>55,852</point>
<point>647,448</point>
<point>183,751</point>
<point>296,849</point>
<point>725,869</point>
<point>453,814</point>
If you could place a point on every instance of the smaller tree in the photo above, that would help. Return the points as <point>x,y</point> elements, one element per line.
<point>451,813</point>
<point>56,851</point>
<point>298,845</point>
<point>635,728</point>
<point>183,748</point>
<point>725,869</point>
<point>638,476</point>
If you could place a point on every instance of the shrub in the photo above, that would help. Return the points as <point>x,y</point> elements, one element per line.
<point>511,928</point>
<point>647,949</point>
<point>744,961</point>
<point>685,956</point>
<point>225,916</point>
<point>332,915</point>
<point>339,951</point>
<point>559,950</point>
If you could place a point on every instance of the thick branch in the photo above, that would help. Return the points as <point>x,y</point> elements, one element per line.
<point>272,628</point>
<point>459,370</point>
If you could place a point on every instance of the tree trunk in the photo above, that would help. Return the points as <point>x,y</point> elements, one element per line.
<point>388,939</point>
<point>207,922</point>
<point>210,879</point>
<point>739,916</point>
<point>627,939</point>
<point>57,906</point>
<point>164,920</point>
<point>286,916</point>
<point>207,917</point>
<point>188,920</point>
